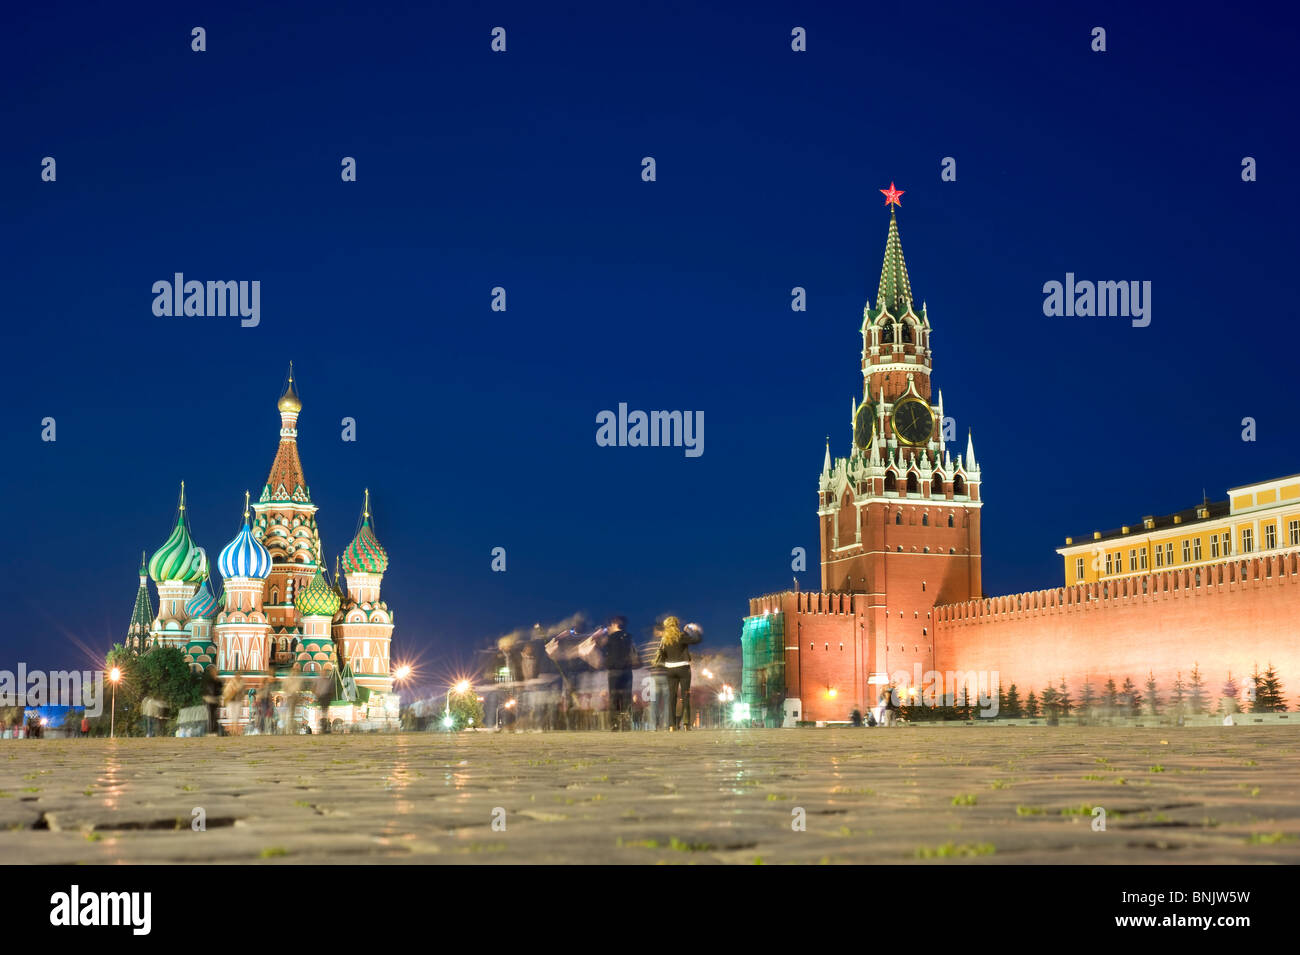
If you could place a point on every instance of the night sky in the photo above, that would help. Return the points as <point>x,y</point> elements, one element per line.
<point>476,429</point>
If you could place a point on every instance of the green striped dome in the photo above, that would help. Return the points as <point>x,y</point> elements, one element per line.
<point>318,598</point>
<point>179,558</point>
<point>364,555</point>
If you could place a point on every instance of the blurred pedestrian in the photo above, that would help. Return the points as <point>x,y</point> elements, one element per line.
<point>674,656</point>
<point>292,687</point>
<point>323,690</point>
<point>211,690</point>
<point>621,658</point>
<point>232,695</point>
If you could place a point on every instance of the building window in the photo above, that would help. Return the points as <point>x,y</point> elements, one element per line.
<point>1160,557</point>
<point>898,518</point>
<point>1078,568</point>
<point>1132,560</point>
<point>1143,555</point>
<point>1214,546</point>
<point>1270,536</point>
<point>1293,530</point>
<point>925,520</point>
<point>1196,549</point>
<point>1295,524</point>
<point>1227,544</point>
<point>1108,564</point>
<point>1169,552</point>
<point>1247,540</point>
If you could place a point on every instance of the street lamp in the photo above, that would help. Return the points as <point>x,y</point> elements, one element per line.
<point>114,675</point>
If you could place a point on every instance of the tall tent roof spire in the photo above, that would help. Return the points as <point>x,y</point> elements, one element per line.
<point>894,293</point>
<point>286,481</point>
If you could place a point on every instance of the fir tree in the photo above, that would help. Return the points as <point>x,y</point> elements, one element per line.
<point>1229,695</point>
<point>1012,708</point>
<point>1153,699</point>
<point>1129,698</point>
<point>1031,705</point>
<point>1063,698</point>
<point>1196,691</point>
<point>1257,695</point>
<point>1180,691</point>
<point>1111,695</point>
<point>1051,704</point>
<point>1273,690</point>
<point>1087,698</point>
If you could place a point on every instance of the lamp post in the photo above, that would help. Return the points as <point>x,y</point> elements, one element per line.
<point>114,675</point>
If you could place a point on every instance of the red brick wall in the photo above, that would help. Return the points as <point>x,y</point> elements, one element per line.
<point>1083,632</point>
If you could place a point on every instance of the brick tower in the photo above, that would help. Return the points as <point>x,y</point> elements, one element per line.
<point>900,516</point>
<point>899,528</point>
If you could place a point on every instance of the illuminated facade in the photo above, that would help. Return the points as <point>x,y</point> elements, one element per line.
<point>279,613</point>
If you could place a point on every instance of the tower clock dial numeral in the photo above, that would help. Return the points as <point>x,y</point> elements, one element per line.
<point>913,421</point>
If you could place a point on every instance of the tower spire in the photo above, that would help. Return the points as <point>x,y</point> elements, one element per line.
<point>894,294</point>
<point>286,481</point>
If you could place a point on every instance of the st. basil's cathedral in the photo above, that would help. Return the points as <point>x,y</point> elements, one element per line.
<point>278,607</point>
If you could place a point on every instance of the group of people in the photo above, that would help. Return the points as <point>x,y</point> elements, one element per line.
<point>264,714</point>
<point>885,713</point>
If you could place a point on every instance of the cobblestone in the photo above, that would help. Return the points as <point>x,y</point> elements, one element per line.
<point>955,794</point>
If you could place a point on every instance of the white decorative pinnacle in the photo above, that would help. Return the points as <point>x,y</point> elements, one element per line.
<point>971,464</point>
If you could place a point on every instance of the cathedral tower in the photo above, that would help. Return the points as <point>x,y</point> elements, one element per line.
<point>176,567</point>
<point>363,637</point>
<point>286,526</point>
<point>243,631</point>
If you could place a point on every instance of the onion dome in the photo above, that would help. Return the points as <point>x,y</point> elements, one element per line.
<point>364,555</point>
<point>289,401</point>
<point>245,556</point>
<point>318,598</point>
<point>202,604</point>
<point>179,559</point>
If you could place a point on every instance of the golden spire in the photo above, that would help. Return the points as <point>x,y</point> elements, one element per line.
<point>182,495</point>
<point>245,507</point>
<point>289,401</point>
<point>366,513</point>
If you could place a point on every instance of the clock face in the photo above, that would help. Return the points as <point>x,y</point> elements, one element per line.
<point>864,426</point>
<point>913,421</point>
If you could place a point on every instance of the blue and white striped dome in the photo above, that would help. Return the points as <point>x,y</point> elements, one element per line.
<point>245,556</point>
<point>202,603</point>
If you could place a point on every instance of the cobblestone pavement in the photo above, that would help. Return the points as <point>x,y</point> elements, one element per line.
<point>915,794</point>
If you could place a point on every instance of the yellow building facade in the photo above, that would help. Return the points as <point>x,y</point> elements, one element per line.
<point>1258,518</point>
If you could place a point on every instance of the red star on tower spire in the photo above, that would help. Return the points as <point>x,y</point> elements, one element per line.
<point>892,196</point>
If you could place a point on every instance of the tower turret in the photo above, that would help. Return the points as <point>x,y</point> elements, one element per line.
<point>137,632</point>
<point>243,633</point>
<point>176,567</point>
<point>365,630</point>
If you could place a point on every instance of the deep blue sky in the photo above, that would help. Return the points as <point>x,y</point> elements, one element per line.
<point>523,170</point>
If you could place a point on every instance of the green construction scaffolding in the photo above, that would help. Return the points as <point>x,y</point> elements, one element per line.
<point>762,646</point>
